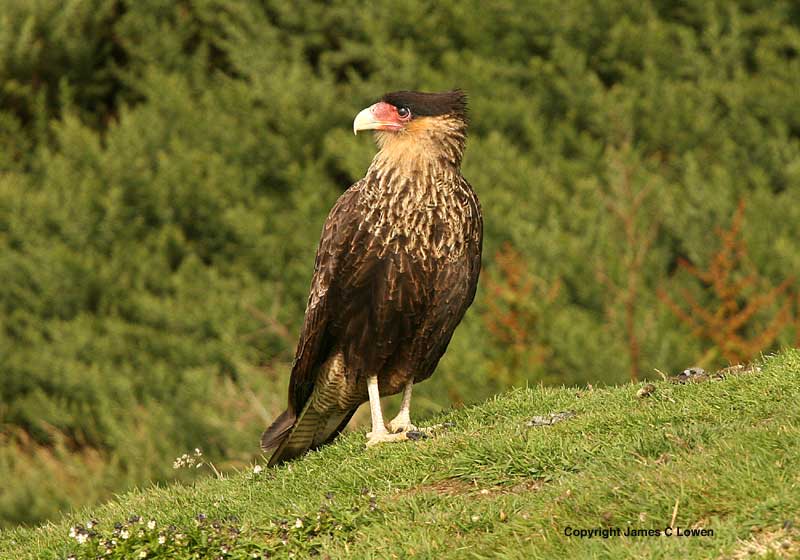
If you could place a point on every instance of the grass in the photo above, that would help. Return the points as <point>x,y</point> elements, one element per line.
<point>721,455</point>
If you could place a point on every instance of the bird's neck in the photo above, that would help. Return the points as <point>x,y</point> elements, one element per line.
<point>416,161</point>
<point>390,171</point>
<point>429,147</point>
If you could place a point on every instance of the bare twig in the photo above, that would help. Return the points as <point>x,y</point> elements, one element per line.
<point>674,514</point>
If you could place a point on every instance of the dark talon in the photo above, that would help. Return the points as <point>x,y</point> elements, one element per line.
<point>414,436</point>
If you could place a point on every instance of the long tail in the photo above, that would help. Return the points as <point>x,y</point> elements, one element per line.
<point>293,437</point>
<point>276,433</point>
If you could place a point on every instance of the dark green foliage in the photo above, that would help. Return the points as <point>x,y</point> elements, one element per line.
<point>165,168</point>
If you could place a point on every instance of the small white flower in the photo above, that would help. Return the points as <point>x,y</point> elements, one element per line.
<point>91,524</point>
<point>475,518</point>
<point>257,469</point>
<point>298,523</point>
<point>151,524</point>
<point>73,531</point>
<point>125,534</point>
<point>197,452</point>
<point>81,538</point>
<point>143,554</point>
<point>162,539</point>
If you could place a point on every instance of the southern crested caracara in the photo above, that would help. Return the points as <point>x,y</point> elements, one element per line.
<point>396,269</point>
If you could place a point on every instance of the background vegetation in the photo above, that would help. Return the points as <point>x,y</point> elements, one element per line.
<point>165,168</point>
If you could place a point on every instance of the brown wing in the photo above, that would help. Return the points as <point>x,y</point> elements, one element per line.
<point>474,249</point>
<point>456,286</point>
<point>315,341</point>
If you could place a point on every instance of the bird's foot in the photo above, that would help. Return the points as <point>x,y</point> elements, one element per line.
<point>375,438</point>
<point>401,429</point>
<point>399,425</point>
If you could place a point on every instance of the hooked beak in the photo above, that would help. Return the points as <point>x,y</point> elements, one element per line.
<point>380,116</point>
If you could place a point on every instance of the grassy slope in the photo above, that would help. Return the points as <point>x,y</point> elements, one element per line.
<point>727,451</point>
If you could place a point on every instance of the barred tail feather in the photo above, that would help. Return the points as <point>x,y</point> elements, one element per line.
<point>311,430</point>
<point>275,434</point>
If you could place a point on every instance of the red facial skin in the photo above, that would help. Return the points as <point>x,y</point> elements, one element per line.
<point>387,116</point>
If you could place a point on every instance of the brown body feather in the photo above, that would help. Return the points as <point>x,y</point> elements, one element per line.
<point>396,269</point>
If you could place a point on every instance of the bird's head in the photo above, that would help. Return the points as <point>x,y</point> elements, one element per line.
<point>410,122</point>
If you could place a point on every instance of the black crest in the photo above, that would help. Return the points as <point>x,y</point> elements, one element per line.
<point>430,104</point>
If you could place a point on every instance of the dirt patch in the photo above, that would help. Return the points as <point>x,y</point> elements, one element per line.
<point>782,543</point>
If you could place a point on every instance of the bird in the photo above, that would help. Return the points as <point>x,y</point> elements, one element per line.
<point>396,269</point>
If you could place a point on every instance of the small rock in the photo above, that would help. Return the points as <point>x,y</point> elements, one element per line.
<point>645,391</point>
<point>550,419</point>
<point>689,375</point>
<point>692,372</point>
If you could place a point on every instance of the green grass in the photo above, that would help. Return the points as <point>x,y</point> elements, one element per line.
<point>727,452</point>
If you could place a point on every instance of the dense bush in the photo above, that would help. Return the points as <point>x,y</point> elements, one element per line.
<point>166,167</point>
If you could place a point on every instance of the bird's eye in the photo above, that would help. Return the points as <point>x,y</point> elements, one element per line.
<point>403,112</point>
